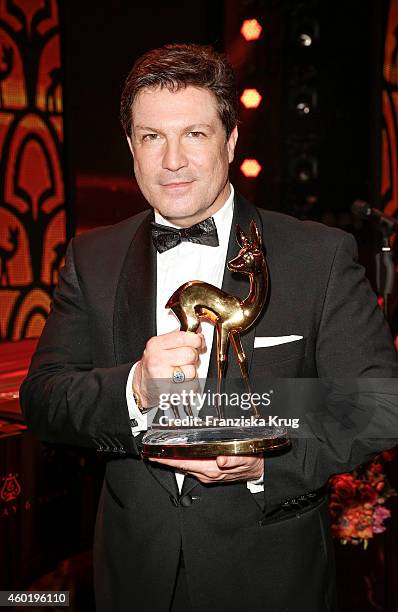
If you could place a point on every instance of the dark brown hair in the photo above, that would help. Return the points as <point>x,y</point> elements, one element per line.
<point>179,65</point>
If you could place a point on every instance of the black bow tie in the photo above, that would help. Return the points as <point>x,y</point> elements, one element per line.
<point>165,237</point>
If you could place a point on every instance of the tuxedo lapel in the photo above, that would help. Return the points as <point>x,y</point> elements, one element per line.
<point>135,304</point>
<point>189,483</point>
<point>135,315</point>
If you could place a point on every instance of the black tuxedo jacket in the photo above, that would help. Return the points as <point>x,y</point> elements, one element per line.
<point>236,554</point>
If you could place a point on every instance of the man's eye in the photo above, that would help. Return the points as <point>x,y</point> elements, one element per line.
<point>150,137</point>
<point>196,134</point>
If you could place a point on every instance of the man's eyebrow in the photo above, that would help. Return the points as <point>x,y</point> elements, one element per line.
<point>146,128</point>
<point>187,128</point>
<point>199,125</point>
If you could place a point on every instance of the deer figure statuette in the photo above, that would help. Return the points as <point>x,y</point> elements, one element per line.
<point>232,316</point>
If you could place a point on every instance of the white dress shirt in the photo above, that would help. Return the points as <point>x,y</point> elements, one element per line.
<point>188,261</point>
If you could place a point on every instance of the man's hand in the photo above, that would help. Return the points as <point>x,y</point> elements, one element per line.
<point>161,356</point>
<point>219,469</point>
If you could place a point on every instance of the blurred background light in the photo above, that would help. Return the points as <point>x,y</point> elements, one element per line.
<point>251,98</point>
<point>251,29</point>
<point>250,168</point>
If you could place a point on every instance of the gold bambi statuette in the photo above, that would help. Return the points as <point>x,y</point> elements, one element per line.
<point>196,300</point>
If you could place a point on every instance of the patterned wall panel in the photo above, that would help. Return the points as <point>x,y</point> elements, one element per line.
<point>389,180</point>
<point>32,201</point>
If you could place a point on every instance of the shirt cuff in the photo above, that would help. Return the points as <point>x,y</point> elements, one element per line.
<point>256,486</point>
<point>138,420</point>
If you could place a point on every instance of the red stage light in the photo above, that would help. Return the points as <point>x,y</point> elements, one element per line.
<point>251,29</point>
<point>251,98</point>
<point>250,168</point>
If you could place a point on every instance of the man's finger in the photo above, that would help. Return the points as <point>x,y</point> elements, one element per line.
<point>178,339</point>
<point>189,371</point>
<point>197,465</point>
<point>225,462</point>
<point>185,355</point>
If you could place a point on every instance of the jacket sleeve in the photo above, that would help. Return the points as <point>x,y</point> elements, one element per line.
<point>64,398</point>
<point>356,356</point>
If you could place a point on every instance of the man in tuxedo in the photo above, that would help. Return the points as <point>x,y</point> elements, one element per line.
<point>227,533</point>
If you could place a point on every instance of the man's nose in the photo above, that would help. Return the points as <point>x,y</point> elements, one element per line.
<point>174,157</point>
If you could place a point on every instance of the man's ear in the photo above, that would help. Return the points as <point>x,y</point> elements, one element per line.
<point>231,144</point>
<point>130,145</point>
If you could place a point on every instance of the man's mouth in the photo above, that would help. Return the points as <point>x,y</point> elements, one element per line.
<point>177,184</point>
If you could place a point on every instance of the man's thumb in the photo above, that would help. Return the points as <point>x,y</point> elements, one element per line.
<point>222,461</point>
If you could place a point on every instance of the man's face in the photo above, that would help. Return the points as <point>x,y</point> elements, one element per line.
<point>181,154</point>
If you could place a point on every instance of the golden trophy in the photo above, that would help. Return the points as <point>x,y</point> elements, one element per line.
<point>196,300</point>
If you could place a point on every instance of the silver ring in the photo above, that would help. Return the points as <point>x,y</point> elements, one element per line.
<point>178,375</point>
